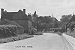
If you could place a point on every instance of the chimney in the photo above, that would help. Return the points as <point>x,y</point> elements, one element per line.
<point>24,10</point>
<point>2,10</point>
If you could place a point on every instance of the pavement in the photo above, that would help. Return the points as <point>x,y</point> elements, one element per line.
<point>47,41</point>
<point>70,39</point>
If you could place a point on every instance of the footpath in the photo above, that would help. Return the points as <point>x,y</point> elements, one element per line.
<point>70,39</point>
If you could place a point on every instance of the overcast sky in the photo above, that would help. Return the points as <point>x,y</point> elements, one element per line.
<point>43,7</point>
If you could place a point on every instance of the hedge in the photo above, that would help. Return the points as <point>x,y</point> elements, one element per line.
<point>10,30</point>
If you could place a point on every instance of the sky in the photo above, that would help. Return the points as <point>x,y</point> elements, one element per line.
<point>42,7</point>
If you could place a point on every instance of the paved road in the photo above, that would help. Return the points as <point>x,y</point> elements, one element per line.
<point>48,41</point>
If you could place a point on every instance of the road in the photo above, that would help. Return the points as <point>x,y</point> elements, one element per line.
<point>48,41</point>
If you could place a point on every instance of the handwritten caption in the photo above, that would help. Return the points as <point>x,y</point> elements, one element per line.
<point>23,46</point>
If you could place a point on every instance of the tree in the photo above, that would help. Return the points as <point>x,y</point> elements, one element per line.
<point>66,18</point>
<point>65,21</point>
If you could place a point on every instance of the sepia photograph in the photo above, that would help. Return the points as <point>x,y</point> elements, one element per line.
<point>37,24</point>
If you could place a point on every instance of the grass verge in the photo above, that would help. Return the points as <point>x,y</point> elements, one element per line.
<point>15,38</point>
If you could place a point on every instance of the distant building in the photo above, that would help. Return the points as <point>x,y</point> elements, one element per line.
<point>19,17</point>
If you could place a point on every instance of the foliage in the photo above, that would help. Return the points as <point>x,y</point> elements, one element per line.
<point>45,23</point>
<point>9,30</point>
<point>66,18</point>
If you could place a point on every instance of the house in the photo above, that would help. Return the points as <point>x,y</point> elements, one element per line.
<point>19,17</point>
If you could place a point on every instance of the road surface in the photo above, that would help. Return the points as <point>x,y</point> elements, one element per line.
<point>48,41</point>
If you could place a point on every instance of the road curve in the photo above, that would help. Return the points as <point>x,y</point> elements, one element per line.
<point>48,41</point>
